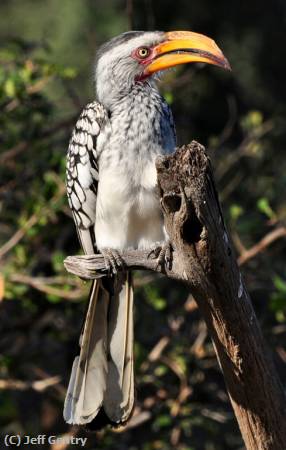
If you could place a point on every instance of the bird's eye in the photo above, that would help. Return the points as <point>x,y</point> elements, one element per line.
<point>143,52</point>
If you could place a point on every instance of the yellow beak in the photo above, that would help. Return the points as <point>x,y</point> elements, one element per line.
<point>182,47</point>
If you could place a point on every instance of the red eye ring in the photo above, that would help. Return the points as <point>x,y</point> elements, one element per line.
<point>143,52</point>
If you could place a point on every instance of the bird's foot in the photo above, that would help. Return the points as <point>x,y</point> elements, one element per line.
<point>163,254</point>
<point>113,261</point>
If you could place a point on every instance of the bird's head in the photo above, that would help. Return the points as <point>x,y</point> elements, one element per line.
<point>137,56</point>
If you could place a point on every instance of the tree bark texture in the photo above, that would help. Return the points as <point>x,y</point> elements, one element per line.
<point>204,259</point>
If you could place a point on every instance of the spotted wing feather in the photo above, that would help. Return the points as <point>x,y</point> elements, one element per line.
<point>82,172</point>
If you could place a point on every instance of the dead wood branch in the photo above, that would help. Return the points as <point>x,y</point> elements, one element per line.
<point>204,259</point>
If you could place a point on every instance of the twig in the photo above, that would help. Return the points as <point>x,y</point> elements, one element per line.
<point>262,245</point>
<point>243,148</point>
<point>140,416</point>
<point>31,221</point>
<point>157,351</point>
<point>38,385</point>
<point>198,346</point>
<point>14,151</point>
<point>184,391</point>
<point>214,415</point>
<point>18,235</point>
<point>38,284</point>
<point>42,374</point>
<point>175,436</point>
<point>22,146</point>
<point>34,88</point>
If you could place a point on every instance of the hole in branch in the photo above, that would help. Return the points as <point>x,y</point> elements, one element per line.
<point>172,202</point>
<point>192,229</point>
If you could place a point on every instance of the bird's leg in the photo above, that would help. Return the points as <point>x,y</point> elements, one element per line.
<point>112,259</point>
<point>163,254</point>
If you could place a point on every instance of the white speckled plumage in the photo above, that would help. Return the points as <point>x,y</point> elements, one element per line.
<point>133,137</point>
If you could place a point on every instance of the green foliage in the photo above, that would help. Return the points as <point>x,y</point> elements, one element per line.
<point>235,212</point>
<point>153,297</point>
<point>252,120</point>
<point>264,206</point>
<point>278,299</point>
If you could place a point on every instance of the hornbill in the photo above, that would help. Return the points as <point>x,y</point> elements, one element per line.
<point>111,187</point>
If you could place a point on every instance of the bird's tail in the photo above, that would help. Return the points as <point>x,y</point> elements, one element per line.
<point>101,387</point>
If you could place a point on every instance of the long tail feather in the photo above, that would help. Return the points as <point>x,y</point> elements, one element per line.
<point>88,379</point>
<point>128,376</point>
<point>119,395</point>
<point>101,387</point>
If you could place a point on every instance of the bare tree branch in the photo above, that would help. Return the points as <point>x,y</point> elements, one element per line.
<point>40,285</point>
<point>38,385</point>
<point>262,245</point>
<point>203,258</point>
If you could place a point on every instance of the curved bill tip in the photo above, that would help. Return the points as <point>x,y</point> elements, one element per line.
<point>225,64</point>
<point>180,47</point>
<point>220,61</point>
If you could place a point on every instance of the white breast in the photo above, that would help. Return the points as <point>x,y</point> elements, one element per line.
<point>128,210</point>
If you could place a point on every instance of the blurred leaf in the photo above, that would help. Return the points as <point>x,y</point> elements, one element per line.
<point>264,206</point>
<point>160,370</point>
<point>252,120</point>
<point>154,299</point>
<point>57,261</point>
<point>21,255</point>
<point>235,212</point>
<point>26,73</point>
<point>169,97</point>
<point>10,88</point>
<point>8,407</point>
<point>69,72</point>
<point>162,421</point>
<point>280,284</point>
<point>278,302</point>
<point>53,298</point>
<point>278,299</point>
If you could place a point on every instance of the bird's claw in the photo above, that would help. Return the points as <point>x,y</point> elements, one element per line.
<point>113,261</point>
<point>163,254</point>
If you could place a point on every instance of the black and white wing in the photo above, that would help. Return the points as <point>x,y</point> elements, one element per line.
<point>82,172</point>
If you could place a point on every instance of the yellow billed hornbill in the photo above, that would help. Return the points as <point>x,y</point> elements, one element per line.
<point>111,186</point>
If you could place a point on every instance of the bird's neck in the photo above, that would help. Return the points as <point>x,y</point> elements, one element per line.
<point>139,124</point>
<point>135,94</point>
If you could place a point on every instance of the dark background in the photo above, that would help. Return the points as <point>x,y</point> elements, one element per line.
<point>46,54</point>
